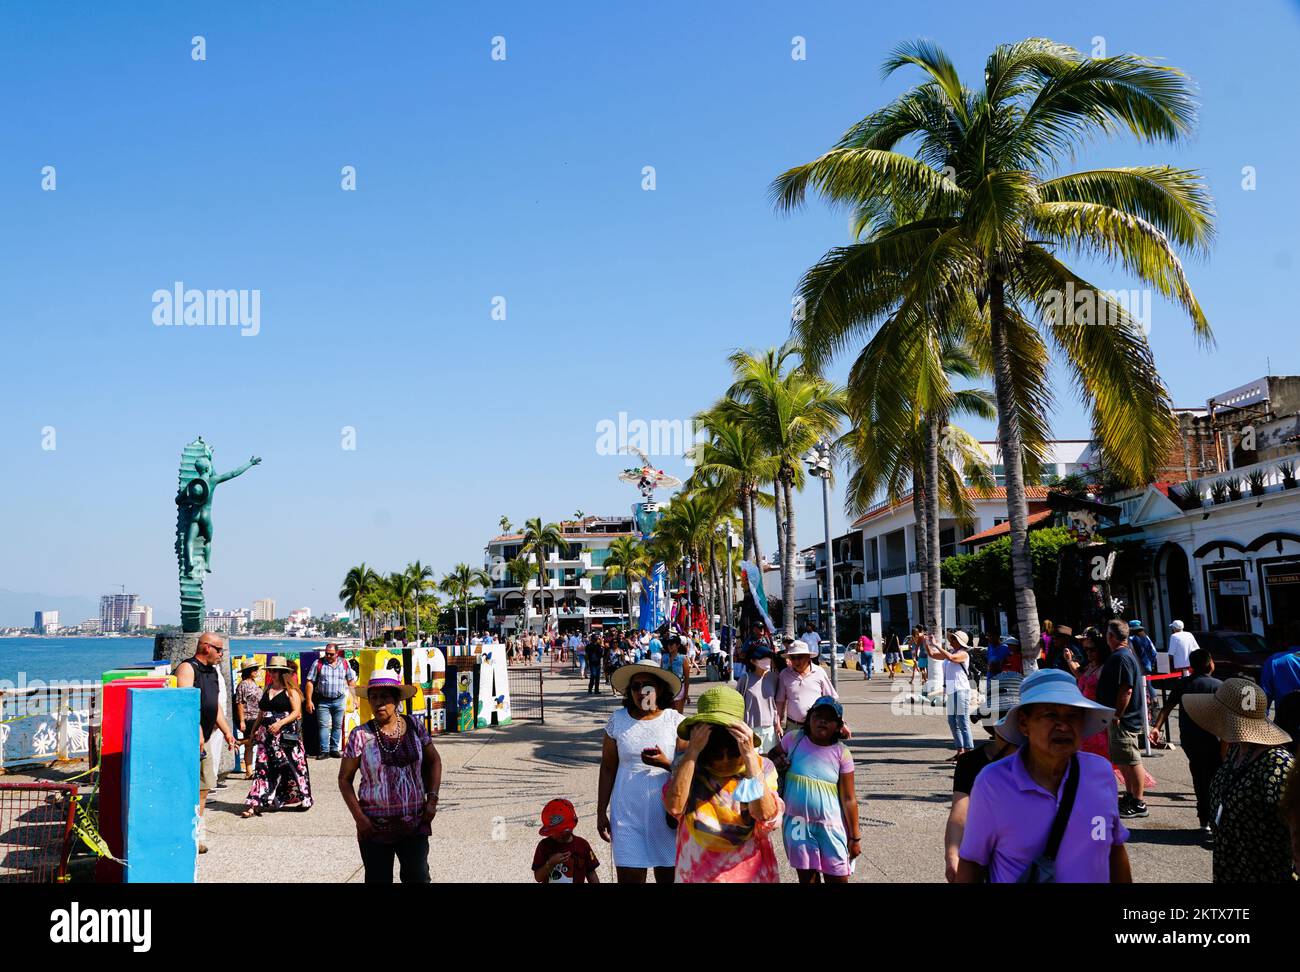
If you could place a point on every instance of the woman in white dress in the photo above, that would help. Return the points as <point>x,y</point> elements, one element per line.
<point>638,749</point>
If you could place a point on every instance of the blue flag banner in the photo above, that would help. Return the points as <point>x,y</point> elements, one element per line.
<point>751,578</point>
<point>654,598</point>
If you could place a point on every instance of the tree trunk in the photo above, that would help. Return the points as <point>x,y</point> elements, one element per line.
<point>713,583</point>
<point>934,620</point>
<point>922,539</point>
<point>785,486</point>
<point>1011,446</point>
<point>748,540</point>
<point>753,526</point>
<point>779,510</point>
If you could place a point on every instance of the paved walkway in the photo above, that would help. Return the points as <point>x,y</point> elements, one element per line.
<point>495,782</point>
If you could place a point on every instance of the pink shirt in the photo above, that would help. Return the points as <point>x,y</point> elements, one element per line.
<point>799,693</point>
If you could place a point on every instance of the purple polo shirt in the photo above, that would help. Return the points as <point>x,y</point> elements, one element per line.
<point>1010,816</point>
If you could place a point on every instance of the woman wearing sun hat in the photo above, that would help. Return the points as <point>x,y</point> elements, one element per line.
<point>1048,814</point>
<point>723,795</point>
<point>956,686</point>
<point>1251,840</point>
<point>401,773</point>
<point>636,753</point>
<point>280,778</point>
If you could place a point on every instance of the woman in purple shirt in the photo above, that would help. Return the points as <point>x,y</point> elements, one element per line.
<point>1015,801</point>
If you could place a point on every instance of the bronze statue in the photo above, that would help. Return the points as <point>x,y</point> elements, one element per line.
<point>194,525</point>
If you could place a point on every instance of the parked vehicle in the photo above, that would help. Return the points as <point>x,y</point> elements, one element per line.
<point>1236,654</point>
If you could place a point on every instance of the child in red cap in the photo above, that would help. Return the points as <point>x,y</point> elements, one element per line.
<point>561,857</point>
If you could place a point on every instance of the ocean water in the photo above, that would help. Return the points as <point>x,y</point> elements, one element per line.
<point>85,659</point>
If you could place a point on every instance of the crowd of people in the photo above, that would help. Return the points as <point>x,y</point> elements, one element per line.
<point>704,797</point>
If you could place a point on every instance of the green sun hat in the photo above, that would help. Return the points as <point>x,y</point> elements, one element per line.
<point>721,705</point>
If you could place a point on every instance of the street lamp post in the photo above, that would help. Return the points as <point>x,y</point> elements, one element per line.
<point>819,465</point>
<point>729,601</point>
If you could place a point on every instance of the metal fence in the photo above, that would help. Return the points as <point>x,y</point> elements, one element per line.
<point>46,724</point>
<point>35,831</point>
<point>526,697</point>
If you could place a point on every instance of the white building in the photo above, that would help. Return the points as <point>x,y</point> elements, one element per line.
<point>575,579</point>
<point>46,622</point>
<point>264,610</point>
<point>232,623</point>
<point>142,616</point>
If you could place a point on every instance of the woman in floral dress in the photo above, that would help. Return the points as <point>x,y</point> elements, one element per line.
<point>280,778</point>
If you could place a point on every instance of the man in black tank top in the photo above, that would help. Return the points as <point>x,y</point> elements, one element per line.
<point>201,672</point>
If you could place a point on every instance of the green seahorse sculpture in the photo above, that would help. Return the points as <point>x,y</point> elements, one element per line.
<point>194,525</point>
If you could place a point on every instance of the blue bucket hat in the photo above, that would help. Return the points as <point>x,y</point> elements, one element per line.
<point>829,702</point>
<point>1051,686</point>
<point>1136,625</point>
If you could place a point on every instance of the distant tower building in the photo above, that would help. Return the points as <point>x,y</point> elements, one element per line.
<point>264,610</point>
<point>47,622</point>
<point>142,616</point>
<point>115,611</point>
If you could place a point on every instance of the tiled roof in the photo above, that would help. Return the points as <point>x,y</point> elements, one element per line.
<point>1002,529</point>
<point>998,492</point>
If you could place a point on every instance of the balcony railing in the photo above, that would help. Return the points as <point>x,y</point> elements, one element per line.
<point>897,571</point>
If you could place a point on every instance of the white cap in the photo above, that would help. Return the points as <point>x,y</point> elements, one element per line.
<point>1177,626</point>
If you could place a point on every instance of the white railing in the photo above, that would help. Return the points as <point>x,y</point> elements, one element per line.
<point>46,724</point>
<point>1272,480</point>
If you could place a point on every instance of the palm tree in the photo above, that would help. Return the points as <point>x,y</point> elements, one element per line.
<point>460,582</point>
<point>895,440</point>
<point>627,559</point>
<point>538,539</point>
<point>422,580</point>
<point>505,524</point>
<point>996,221</point>
<point>732,459</point>
<point>522,570</point>
<point>359,583</point>
<point>789,410</point>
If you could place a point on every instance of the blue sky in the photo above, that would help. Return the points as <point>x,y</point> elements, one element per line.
<point>479,178</point>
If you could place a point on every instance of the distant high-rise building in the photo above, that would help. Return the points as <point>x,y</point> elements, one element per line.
<point>142,616</point>
<point>115,611</point>
<point>47,622</point>
<point>264,610</point>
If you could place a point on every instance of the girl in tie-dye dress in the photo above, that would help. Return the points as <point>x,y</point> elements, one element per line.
<point>820,826</point>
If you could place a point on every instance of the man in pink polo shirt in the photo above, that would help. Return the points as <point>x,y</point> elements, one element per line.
<point>799,686</point>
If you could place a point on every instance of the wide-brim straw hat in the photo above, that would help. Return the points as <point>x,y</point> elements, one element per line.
<point>387,679</point>
<point>1051,686</point>
<point>962,637</point>
<point>622,677</point>
<point>721,705</point>
<point>798,648</point>
<point>1236,713</point>
<point>278,663</point>
<point>247,667</point>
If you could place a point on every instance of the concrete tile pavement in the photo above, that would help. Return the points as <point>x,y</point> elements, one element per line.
<point>495,782</point>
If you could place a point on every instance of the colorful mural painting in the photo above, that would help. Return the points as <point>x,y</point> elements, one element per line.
<point>493,688</point>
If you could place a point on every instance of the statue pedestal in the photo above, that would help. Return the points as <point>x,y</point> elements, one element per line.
<point>175,647</point>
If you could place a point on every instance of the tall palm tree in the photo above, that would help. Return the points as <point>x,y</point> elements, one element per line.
<point>522,570</point>
<point>358,584</point>
<point>895,440</point>
<point>538,539</point>
<point>997,222</point>
<point>627,559</point>
<point>422,580</point>
<point>460,583</point>
<point>789,410</point>
<point>504,524</point>
<point>733,459</point>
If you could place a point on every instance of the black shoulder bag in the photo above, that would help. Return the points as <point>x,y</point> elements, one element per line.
<point>1043,868</point>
